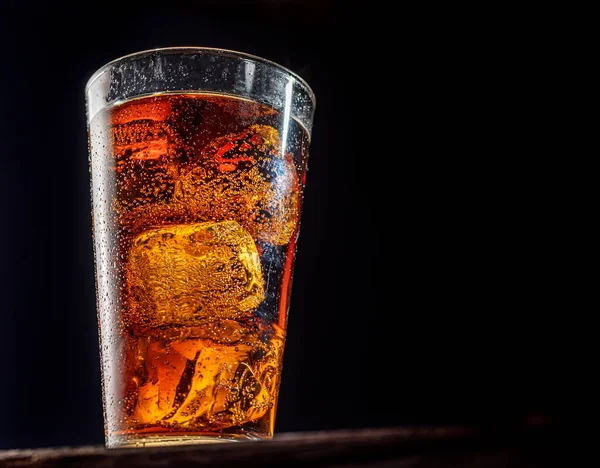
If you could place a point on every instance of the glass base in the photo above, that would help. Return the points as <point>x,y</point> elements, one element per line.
<point>169,440</point>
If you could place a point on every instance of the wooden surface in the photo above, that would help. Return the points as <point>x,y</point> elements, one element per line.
<point>442,447</point>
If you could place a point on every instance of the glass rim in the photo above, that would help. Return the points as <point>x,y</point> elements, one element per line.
<point>214,50</point>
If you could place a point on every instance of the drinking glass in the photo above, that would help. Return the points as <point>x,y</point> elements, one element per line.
<point>198,160</point>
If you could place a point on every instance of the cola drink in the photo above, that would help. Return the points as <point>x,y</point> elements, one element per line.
<point>196,203</point>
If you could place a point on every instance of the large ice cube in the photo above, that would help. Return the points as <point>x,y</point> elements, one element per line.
<point>194,382</point>
<point>180,275</point>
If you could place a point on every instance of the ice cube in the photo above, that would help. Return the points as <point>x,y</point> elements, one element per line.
<point>180,275</point>
<point>156,110</point>
<point>145,148</point>
<point>245,177</point>
<point>192,383</point>
<point>160,378</point>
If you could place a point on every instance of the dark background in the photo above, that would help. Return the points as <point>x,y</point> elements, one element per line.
<point>428,283</point>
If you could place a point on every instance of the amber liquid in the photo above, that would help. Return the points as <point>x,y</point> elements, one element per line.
<point>196,203</point>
